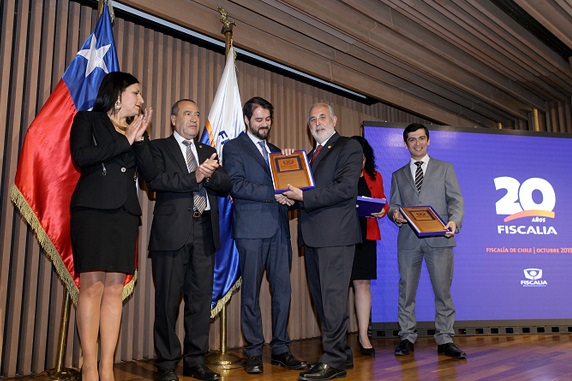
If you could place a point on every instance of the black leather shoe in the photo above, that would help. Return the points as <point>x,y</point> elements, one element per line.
<point>451,350</point>
<point>288,361</point>
<point>201,372</point>
<point>404,348</point>
<point>321,372</point>
<point>349,365</point>
<point>365,351</point>
<point>167,375</point>
<point>254,365</point>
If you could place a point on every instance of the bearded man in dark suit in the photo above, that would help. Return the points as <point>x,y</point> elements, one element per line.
<point>261,231</point>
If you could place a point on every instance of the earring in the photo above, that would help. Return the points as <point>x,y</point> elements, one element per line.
<point>117,106</point>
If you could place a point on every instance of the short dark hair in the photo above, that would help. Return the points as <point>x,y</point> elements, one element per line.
<point>369,166</point>
<point>412,128</point>
<point>254,102</point>
<point>112,85</point>
<point>175,107</point>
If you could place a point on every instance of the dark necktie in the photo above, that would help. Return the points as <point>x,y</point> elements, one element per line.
<point>315,154</point>
<point>200,197</point>
<point>418,175</point>
<point>262,144</point>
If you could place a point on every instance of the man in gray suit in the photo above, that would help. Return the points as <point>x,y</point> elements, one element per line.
<point>426,181</point>
<point>261,230</point>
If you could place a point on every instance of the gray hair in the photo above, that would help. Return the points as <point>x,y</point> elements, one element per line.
<point>330,109</point>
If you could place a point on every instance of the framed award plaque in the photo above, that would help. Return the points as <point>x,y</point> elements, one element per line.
<point>424,220</point>
<point>290,169</point>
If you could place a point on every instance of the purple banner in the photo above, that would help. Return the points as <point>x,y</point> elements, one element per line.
<point>514,253</point>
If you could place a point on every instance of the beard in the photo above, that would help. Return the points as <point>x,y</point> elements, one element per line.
<point>261,133</point>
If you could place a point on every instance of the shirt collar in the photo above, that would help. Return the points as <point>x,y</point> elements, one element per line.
<point>325,141</point>
<point>255,139</point>
<point>425,160</point>
<point>181,139</point>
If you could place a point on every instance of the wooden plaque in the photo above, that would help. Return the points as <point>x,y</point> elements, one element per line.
<point>290,169</point>
<point>424,220</point>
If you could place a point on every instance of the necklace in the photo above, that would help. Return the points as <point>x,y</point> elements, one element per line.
<point>118,127</point>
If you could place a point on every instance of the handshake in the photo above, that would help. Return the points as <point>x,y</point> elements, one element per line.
<point>293,193</point>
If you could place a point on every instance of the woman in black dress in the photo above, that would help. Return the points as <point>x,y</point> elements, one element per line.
<point>365,258</point>
<point>105,214</point>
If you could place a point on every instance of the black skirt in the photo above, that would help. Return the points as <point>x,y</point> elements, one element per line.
<point>104,240</point>
<point>365,261</point>
<point>365,258</point>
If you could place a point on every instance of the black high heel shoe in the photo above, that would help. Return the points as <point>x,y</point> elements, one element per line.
<point>365,351</point>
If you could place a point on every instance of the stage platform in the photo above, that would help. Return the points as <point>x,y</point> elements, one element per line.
<point>546,357</point>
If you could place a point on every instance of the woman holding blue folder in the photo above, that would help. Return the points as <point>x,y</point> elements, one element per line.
<point>365,259</point>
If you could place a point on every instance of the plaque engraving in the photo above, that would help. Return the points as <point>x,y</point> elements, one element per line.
<point>290,169</point>
<point>424,220</point>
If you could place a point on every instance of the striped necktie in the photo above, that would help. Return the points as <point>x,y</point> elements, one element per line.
<point>200,197</point>
<point>418,175</point>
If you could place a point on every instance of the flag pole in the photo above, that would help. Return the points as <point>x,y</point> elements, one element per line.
<point>222,359</point>
<point>60,373</point>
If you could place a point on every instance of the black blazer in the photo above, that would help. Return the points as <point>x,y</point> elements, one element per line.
<point>174,187</point>
<point>106,162</point>
<point>328,215</point>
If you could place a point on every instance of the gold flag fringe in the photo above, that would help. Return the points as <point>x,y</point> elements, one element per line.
<point>130,286</point>
<point>30,217</point>
<point>222,301</point>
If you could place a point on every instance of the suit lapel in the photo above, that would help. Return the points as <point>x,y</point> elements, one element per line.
<point>427,177</point>
<point>251,147</point>
<point>203,154</point>
<point>325,150</point>
<point>406,170</point>
<point>113,135</point>
<point>108,126</point>
<point>273,148</point>
<point>175,151</point>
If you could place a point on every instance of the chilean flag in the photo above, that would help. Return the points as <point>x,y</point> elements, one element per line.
<point>46,176</point>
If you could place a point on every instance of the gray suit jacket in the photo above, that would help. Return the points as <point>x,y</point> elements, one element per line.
<point>440,190</point>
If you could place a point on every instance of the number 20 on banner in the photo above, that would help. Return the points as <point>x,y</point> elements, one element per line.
<point>519,200</point>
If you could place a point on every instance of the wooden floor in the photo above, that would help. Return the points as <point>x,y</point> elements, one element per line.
<point>494,358</point>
